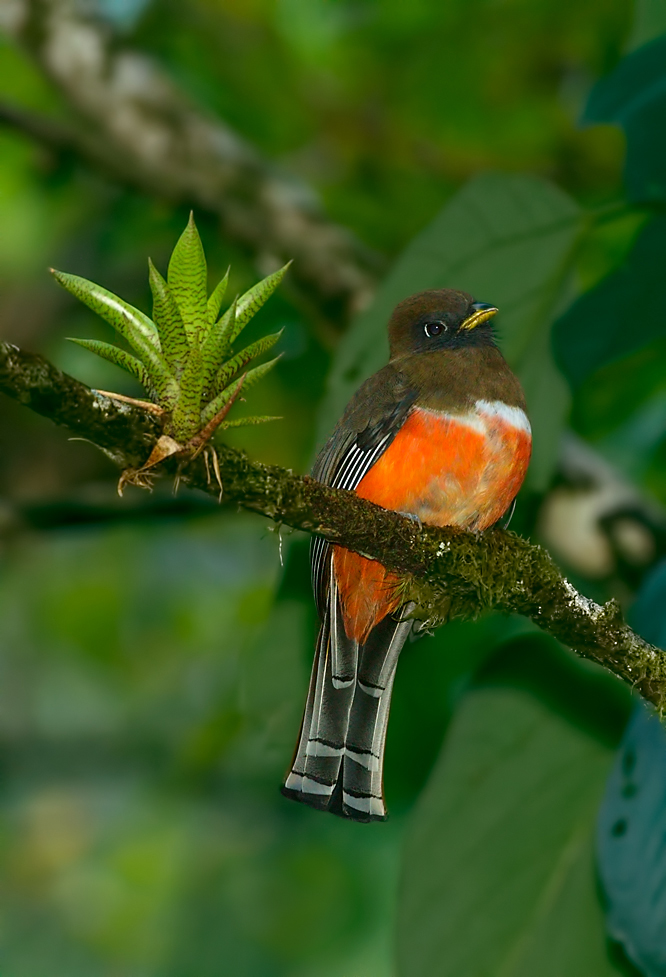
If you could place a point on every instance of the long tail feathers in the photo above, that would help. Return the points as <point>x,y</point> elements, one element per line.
<point>362,787</point>
<point>316,766</point>
<point>339,758</point>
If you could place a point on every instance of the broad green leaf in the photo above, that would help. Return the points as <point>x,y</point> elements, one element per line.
<point>498,876</point>
<point>624,312</point>
<point>632,820</point>
<point>549,399</point>
<point>187,278</point>
<point>187,412</point>
<point>120,357</point>
<point>168,320</point>
<point>506,239</point>
<point>248,421</point>
<point>133,325</point>
<point>251,377</point>
<point>420,715</point>
<point>237,362</point>
<point>648,613</point>
<point>217,346</point>
<point>633,96</point>
<point>630,843</point>
<point>216,298</point>
<point>649,22</point>
<point>637,78</point>
<point>251,301</point>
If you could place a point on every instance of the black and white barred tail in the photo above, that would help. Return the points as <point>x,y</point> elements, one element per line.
<point>338,764</point>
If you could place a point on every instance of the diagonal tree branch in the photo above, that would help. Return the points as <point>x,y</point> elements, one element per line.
<point>447,572</point>
<point>130,121</point>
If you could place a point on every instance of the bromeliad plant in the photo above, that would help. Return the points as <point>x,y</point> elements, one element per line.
<point>183,356</point>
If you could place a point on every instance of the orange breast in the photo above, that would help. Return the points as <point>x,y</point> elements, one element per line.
<point>447,470</point>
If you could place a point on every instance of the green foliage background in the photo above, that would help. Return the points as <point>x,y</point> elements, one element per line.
<point>154,656</point>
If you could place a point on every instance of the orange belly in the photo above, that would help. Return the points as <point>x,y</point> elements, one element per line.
<point>448,471</point>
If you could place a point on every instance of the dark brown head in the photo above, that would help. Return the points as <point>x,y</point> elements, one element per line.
<point>439,319</point>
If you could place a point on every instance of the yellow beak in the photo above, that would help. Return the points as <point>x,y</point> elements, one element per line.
<point>480,316</point>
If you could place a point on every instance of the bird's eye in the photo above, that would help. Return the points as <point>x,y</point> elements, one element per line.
<point>434,329</point>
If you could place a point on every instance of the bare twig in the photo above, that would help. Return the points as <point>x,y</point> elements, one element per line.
<point>447,572</point>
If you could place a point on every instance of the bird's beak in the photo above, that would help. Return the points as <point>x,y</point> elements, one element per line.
<point>481,314</point>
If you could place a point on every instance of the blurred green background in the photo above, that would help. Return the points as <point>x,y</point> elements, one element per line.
<point>154,652</point>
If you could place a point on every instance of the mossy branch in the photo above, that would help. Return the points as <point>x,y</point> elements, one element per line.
<point>447,572</point>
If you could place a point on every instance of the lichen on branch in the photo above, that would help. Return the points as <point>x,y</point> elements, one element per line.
<point>447,572</point>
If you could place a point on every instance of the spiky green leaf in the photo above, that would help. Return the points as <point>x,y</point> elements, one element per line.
<point>216,298</point>
<point>169,323</point>
<point>247,422</point>
<point>234,320</point>
<point>251,377</point>
<point>216,405</point>
<point>216,346</point>
<point>117,356</point>
<point>187,278</point>
<point>251,301</point>
<point>237,362</point>
<point>259,372</point>
<point>187,412</point>
<point>131,323</point>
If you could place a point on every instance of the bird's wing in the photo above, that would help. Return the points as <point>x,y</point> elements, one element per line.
<point>373,418</point>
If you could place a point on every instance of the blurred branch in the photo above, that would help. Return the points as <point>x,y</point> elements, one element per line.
<point>49,133</point>
<point>81,510</point>
<point>133,123</point>
<point>447,573</point>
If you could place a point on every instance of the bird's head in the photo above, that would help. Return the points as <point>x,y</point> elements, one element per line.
<point>439,319</point>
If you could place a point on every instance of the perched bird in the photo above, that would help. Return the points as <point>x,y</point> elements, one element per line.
<point>441,434</point>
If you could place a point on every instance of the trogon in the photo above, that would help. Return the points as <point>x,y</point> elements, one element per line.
<point>441,433</point>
